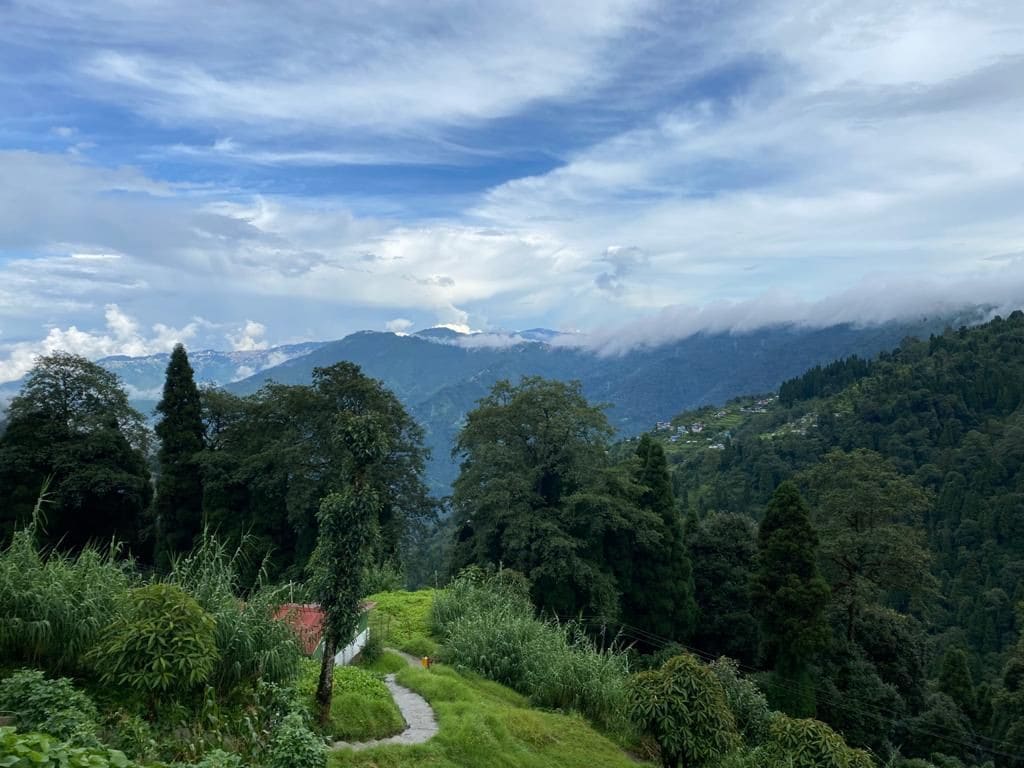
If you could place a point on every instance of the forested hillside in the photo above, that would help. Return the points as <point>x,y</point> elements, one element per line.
<point>911,468</point>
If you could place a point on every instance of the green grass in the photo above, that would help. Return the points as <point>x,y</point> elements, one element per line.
<point>361,706</point>
<point>485,724</point>
<point>386,664</point>
<point>403,620</point>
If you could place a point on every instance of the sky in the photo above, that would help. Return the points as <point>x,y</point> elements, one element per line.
<point>236,175</point>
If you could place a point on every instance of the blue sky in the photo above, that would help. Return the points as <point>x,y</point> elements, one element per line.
<point>244,174</point>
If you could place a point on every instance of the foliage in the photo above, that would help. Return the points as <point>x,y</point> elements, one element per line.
<point>273,456</point>
<point>723,548</point>
<point>53,607</point>
<point>653,571</point>
<point>251,645</point>
<point>295,746</point>
<point>747,703</point>
<point>482,724</point>
<point>870,524</point>
<point>683,707</point>
<point>487,626</point>
<point>790,597</point>
<point>345,520</point>
<point>538,493</point>
<point>72,423</point>
<point>805,743</point>
<point>179,489</point>
<point>160,641</point>
<point>52,706</point>
<point>37,750</point>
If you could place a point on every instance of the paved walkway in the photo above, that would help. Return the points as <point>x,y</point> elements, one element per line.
<point>419,716</point>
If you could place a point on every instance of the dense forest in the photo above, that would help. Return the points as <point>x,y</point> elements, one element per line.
<point>855,545</point>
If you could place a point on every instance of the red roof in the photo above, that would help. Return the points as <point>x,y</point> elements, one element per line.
<point>307,619</point>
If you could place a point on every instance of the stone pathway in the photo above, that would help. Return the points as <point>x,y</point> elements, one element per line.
<point>419,716</point>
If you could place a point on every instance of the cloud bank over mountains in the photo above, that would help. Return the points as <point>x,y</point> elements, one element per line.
<point>633,170</point>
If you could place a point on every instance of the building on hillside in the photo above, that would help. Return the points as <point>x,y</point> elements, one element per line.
<point>307,620</point>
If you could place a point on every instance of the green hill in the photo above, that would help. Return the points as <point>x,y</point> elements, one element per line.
<point>940,419</point>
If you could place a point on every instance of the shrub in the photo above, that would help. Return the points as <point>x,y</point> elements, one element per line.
<point>806,743</point>
<point>160,641</point>
<point>683,708</point>
<point>251,644</point>
<point>39,750</point>
<point>488,627</point>
<point>295,746</point>
<point>54,707</point>
<point>747,702</point>
<point>53,608</point>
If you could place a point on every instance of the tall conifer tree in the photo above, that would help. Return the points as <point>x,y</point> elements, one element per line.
<point>789,597</point>
<point>179,490</point>
<point>659,595</point>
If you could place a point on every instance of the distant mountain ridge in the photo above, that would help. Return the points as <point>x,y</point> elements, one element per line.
<point>439,374</point>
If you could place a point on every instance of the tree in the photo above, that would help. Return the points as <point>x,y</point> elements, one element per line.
<point>72,422</point>
<point>179,490</point>
<point>532,492</point>
<point>955,680</point>
<point>537,493</point>
<point>657,586</point>
<point>272,457</point>
<point>789,597</point>
<point>873,546</point>
<point>683,707</point>
<point>723,549</point>
<point>348,519</point>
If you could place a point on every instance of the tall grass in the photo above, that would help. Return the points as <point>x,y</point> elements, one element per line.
<point>251,645</point>
<point>53,605</point>
<point>488,626</point>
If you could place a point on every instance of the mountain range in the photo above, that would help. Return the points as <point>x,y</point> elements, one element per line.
<point>439,373</point>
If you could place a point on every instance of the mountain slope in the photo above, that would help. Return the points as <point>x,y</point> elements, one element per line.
<point>439,378</point>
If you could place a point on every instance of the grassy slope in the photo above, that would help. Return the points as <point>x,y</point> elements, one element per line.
<point>403,621</point>
<point>361,706</point>
<point>485,724</point>
<point>481,723</point>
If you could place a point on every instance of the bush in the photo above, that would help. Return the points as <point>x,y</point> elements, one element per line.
<point>489,627</point>
<point>683,707</point>
<point>160,641</point>
<point>747,702</point>
<point>806,743</point>
<point>251,645</point>
<point>53,707</point>
<point>373,649</point>
<point>39,750</point>
<point>52,609</point>
<point>295,746</point>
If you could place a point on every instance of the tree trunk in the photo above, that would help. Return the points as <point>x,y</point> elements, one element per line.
<point>325,687</point>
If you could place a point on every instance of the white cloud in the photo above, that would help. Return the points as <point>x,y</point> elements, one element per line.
<point>377,64</point>
<point>249,337</point>
<point>121,336</point>
<point>399,325</point>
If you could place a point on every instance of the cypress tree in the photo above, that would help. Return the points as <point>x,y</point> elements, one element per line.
<point>179,490</point>
<point>659,597</point>
<point>955,680</point>
<point>789,598</point>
